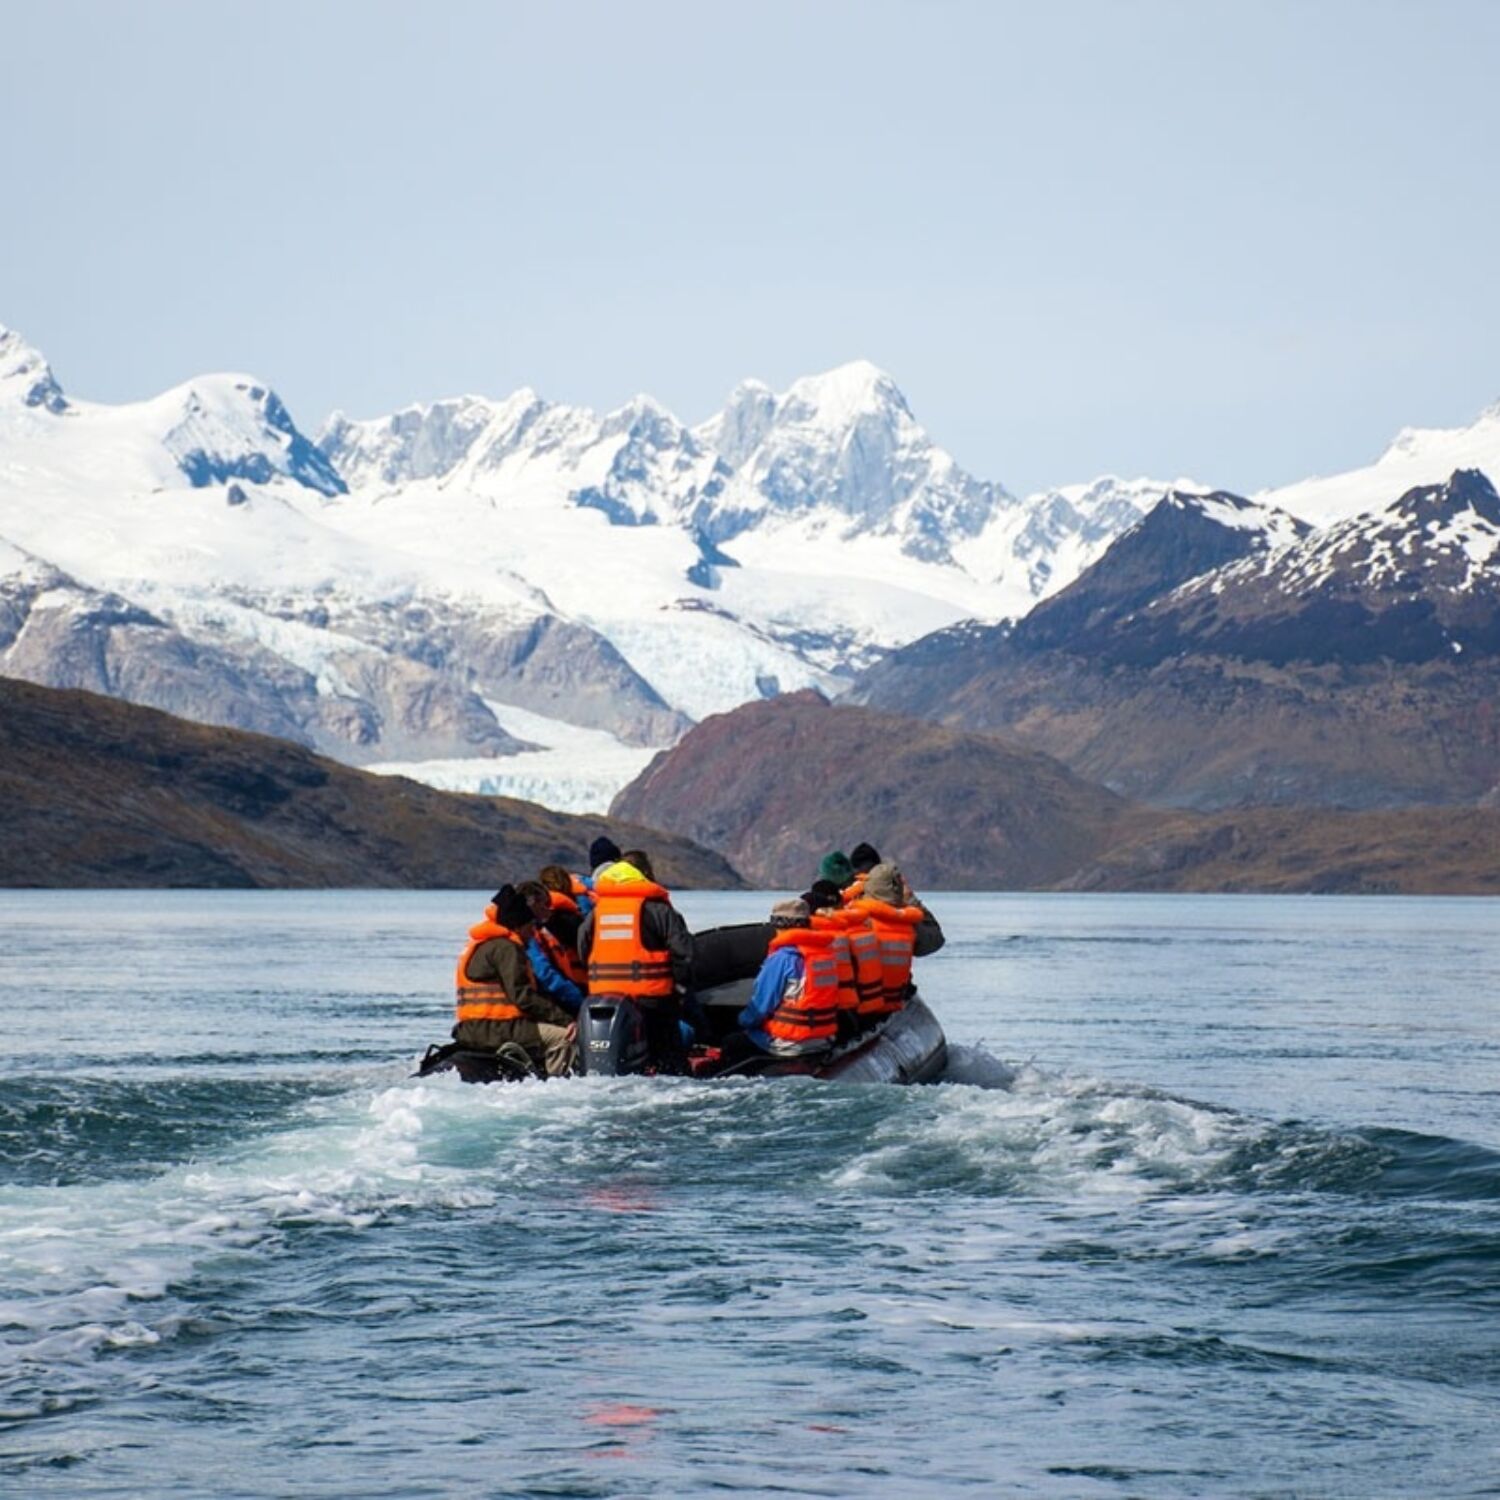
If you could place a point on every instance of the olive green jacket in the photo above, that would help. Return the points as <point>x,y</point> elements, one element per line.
<point>500,961</point>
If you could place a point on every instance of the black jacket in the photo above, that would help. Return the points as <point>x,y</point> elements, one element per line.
<point>929,936</point>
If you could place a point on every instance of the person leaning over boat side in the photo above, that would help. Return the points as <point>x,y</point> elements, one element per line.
<point>929,937</point>
<point>637,945</point>
<point>498,999</point>
<point>895,920</point>
<point>793,1009</point>
<point>553,966</point>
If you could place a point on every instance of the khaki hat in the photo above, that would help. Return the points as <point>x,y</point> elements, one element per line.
<point>791,913</point>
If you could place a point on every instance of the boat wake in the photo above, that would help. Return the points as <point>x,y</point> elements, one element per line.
<point>111,1260</point>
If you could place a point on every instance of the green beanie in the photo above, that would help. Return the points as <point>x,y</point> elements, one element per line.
<point>836,867</point>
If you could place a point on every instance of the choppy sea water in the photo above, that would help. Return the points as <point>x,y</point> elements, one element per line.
<point>1209,1205</point>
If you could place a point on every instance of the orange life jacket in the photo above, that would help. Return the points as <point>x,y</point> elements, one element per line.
<point>896,932</point>
<point>564,959</point>
<point>855,889</point>
<point>579,887</point>
<point>867,978</point>
<point>619,962</point>
<point>843,954</point>
<point>808,1011</point>
<point>562,954</point>
<point>487,1000</point>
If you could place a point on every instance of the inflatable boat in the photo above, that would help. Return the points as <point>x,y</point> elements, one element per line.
<point>905,1047</point>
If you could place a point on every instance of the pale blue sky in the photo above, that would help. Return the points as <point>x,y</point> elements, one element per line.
<point>1245,242</point>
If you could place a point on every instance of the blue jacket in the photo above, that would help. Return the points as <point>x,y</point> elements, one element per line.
<point>551,980</point>
<point>781,968</point>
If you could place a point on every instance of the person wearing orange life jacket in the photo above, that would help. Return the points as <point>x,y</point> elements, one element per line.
<point>862,859</point>
<point>856,952</point>
<point>793,1009</point>
<point>553,964</point>
<point>563,882</point>
<point>637,945</point>
<point>572,901</point>
<point>929,936</point>
<point>565,917</point>
<point>497,997</point>
<point>887,906</point>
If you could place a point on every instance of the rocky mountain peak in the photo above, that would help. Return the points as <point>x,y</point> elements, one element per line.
<point>843,396</point>
<point>423,441</point>
<point>842,448</point>
<point>643,419</point>
<point>1466,490</point>
<point>1182,537</point>
<point>223,427</point>
<point>26,378</point>
<point>743,424</point>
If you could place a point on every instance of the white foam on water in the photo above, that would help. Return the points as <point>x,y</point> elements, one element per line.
<point>1075,1135</point>
<point>79,1264</point>
<point>88,1266</point>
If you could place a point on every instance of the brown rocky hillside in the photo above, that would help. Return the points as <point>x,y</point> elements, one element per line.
<point>777,784</point>
<point>96,792</point>
<point>782,782</point>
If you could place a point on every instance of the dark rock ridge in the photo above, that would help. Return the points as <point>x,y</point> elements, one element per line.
<point>1354,666</point>
<point>1180,538</point>
<point>778,784</point>
<point>95,792</point>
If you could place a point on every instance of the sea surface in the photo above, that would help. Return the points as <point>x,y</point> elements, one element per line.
<point>1208,1205</point>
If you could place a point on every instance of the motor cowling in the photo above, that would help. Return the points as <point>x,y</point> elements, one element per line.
<point>611,1037</point>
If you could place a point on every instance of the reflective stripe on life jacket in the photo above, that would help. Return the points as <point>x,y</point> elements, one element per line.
<point>896,934</point>
<point>484,1000</point>
<point>864,953</point>
<point>619,961</point>
<point>808,1011</point>
<point>843,956</point>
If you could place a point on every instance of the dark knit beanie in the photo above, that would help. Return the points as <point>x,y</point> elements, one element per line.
<point>511,907</point>
<point>823,895</point>
<point>836,868</point>
<point>603,851</point>
<point>864,858</point>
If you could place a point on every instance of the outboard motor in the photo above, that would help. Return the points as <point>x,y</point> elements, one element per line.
<point>611,1036</point>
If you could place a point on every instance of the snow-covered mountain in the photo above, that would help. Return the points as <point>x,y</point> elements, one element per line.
<point>799,534</point>
<point>1222,653</point>
<point>1416,581</point>
<point>445,587</point>
<point>177,552</point>
<point>1418,456</point>
<point>518,594</point>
